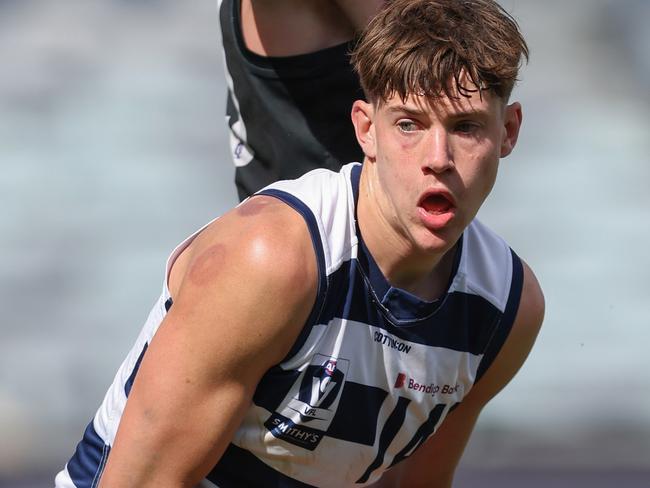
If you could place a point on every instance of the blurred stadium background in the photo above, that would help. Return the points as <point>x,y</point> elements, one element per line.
<point>113,148</point>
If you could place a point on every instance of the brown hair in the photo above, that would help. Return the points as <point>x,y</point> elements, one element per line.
<point>427,47</point>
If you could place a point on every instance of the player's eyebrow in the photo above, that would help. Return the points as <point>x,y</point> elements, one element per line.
<point>408,110</point>
<point>413,111</point>
<point>476,113</point>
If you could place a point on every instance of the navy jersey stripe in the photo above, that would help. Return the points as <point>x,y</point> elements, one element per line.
<point>355,181</point>
<point>239,468</point>
<point>508,318</point>
<point>422,434</point>
<point>273,387</point>
<point>392,425</point>
<point>357,428</point>
<point>89,459</point>
<point>129,382</point>
<point>323,281</point>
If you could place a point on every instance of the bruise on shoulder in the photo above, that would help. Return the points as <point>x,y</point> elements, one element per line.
<point>253,206</point>
<point>207,264</point>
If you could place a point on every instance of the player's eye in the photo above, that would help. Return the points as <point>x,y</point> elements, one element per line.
<point>467,127</point>
<point>407,126</point>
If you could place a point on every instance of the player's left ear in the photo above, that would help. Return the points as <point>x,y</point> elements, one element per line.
<point>364,128</point>
<point>511,123</point>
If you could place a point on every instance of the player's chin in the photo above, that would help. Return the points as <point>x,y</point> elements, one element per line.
<point>441,239</point>
<point>430,242</point>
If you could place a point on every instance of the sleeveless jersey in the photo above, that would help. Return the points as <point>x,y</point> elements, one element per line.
<point>374,371</point>
<point>286,115</point>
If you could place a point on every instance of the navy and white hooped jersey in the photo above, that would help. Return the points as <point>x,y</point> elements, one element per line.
<point>374,371</point>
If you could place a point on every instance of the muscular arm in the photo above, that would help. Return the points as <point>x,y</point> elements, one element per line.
<point>359,12</point>
<point>235,294</point>
<point>433,465</point>
<point>292,27</point>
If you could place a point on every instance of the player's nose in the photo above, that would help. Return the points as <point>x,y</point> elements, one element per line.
<point>439,155</point>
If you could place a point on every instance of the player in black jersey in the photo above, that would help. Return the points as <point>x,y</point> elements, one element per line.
<point>290,86</point>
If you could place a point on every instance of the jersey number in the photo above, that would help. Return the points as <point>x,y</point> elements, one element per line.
<point>392,427</point>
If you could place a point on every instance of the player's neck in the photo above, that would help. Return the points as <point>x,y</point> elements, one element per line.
<point>425,275</point>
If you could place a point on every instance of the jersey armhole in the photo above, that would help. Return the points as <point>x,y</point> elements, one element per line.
<point>321,292</point>
<point>504,325</point>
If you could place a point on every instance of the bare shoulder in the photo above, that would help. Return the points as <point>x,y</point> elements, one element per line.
<point>259,256</point>
<point>519,343</point>
<point>262,234</point>
<point>532,305</point>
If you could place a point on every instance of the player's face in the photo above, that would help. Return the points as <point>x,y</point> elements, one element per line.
<point>434,162</point>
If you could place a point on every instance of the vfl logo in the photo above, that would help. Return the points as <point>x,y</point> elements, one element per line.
<point>307,411</point>
<point>318,390</point>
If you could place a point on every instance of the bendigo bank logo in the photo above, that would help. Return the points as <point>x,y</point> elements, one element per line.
<point>430,388</point>
<point>307,411</point>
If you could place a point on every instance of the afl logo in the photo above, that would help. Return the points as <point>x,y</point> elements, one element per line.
<point>330,366</point>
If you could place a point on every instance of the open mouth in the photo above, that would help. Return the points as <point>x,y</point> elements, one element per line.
<point>436,203</point>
